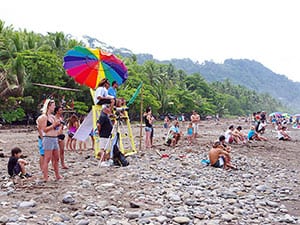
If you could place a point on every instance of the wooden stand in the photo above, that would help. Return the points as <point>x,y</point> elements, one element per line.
<point>126,142</point>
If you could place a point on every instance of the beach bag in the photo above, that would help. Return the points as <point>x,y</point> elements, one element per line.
<point>119,158</point>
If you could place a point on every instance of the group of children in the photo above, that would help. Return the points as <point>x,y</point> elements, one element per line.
<point>175,134</point>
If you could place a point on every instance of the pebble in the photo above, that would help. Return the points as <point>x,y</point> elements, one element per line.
<point>156,191</point>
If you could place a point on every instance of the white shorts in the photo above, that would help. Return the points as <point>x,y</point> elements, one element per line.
<point>195,126</point>
<point>104,143</point>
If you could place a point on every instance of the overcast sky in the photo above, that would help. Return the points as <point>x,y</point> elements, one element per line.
<point>263,30</point>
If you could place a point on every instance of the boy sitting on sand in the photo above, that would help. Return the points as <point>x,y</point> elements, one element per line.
<point>16,165</point>
<point>219,157</point>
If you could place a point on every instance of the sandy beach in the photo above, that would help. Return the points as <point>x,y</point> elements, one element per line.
<point>176,189</point>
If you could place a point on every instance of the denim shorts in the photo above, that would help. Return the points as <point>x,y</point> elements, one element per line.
<point>148,129</point>
<point>50,143</point>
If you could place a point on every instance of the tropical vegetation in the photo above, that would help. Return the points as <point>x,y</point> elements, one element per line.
<point>28,59</point>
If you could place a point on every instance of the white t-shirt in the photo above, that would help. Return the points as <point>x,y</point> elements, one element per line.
<point>227,135</point>
<point>100,91</point>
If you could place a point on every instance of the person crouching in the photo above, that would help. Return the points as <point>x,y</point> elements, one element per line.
<point>219,157</point>
<point>16,165</point>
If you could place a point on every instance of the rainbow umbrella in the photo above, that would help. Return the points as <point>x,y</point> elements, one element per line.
<point>89,66</point>
<point>276,114</point>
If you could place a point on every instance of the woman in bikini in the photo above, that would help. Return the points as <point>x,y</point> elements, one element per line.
<point>61,137</point>
<point>49,125</point>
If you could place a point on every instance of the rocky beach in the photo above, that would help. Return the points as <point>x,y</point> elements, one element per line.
<point>175,189</point>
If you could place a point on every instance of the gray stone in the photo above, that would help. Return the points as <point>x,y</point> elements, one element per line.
<point>83,222</point>
<point>181,219</point>
<point>132,215</point>
<point>26,204</point>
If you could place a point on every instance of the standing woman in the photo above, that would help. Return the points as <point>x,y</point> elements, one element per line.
<point>61,137</point>
<point>49,125</point>
<point>148,127</point>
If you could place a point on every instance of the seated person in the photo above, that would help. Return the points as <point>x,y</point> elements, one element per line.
<point>222,141</point>
<point>173,135</point>
<point>253,135</point>
<point>101,94</point>
<point>219,157</point>
<point>16,165</point>
<point>228,135</point>
<point>112,91</point>
<point>238,136</point>
<point>283,135</point>
<point>261,127</point>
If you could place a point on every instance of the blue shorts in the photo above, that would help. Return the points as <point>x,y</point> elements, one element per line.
<point>17,169</point>
<point>40,144</point>
<point>50,143</point>
<point>148,129</point>
<point>220,162</point>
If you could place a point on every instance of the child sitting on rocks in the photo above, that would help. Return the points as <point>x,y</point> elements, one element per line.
<point>16,165</point>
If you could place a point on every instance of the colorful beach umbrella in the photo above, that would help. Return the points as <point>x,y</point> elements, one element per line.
<point>276,114</point>
<point>286,115</point>
<point>89,66</point>
<point>297,116</point>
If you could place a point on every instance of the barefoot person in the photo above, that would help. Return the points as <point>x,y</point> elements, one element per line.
<point>16,165</point>
<point>148,127</point>
<point>219,157</point>
<point>49,125</point>
<point>195,119</point>
<point>40,141</point>
<point>61,137</point>
<point>283,135</point>
<point>254,136</point>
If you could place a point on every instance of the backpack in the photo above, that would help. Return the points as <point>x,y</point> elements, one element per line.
<point>119,158</point>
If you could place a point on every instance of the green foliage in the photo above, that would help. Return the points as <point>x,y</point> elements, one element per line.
<point>10,116</point>
<point>28,58</point>
<point>81,108</point>
<point>11,109</point>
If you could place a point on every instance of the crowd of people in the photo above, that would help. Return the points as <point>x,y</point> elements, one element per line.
<point>219,154</point>
<point>53,142</point>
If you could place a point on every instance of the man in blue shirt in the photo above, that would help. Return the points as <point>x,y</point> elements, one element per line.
<point>112,90</point>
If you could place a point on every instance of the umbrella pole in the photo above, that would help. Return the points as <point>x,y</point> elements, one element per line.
<point>141,119</point>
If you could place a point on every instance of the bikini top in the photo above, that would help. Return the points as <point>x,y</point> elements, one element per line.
<point>48,123</point>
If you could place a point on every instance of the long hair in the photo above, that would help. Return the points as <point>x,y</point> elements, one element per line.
<point>46,105</point>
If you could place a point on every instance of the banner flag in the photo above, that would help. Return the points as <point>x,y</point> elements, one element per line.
<point>85,128</point>
<point>136,93</point>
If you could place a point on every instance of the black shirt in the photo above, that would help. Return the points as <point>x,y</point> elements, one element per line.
<point>147,123</point>
<point>106,125</point>
<point>12,162</point>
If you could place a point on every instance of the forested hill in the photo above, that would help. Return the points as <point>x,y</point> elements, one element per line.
<point>248,73</point>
